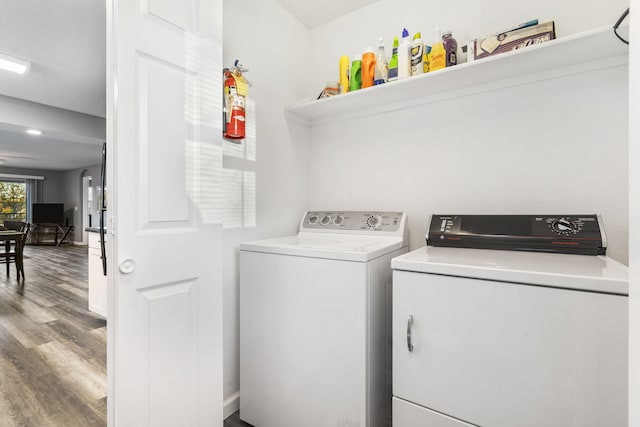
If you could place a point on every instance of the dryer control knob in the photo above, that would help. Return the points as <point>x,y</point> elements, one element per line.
<point>313,219</point>
<point>374,221</point>
<point>338,220</point>
<point>325,220</point>
<point>564,227</point>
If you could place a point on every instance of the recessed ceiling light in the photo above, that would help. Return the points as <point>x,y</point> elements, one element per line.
<point>34,132</point>
<point>14,64</point>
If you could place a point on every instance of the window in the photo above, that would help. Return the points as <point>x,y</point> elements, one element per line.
<point>13,201</point>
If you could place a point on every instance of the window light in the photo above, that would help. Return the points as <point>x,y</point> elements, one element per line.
<point>34,132</point>
<point>11,63</point>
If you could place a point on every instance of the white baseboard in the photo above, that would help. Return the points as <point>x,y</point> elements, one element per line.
<point>231,405</point>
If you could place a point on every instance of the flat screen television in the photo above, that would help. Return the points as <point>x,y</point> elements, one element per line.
<point>47,213</point>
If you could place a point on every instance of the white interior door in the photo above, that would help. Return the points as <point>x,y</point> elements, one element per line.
<point>164,170</point>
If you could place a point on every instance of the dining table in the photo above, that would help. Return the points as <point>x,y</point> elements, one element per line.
<point>16,237</point>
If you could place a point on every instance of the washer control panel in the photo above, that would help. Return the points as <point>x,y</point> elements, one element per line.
<point>352,220</point>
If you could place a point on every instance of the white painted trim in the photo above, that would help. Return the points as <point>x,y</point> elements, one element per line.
<point>12,176</point>
<point>634,217</point>
<point>231,405</point>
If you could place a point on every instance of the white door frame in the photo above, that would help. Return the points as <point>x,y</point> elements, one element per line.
<point>634,215</point>
<point>85,211</point>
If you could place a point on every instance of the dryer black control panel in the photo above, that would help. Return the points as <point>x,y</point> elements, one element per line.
<point>573,234</point>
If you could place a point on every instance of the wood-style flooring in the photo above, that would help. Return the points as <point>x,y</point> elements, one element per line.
<point>52,349</point>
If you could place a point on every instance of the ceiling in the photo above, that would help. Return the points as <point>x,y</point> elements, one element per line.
<point>20,150</point>
<point>65,42</point>
<point>315,13</point>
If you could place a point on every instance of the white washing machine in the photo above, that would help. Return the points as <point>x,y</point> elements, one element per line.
<point>315,322</point>
<point>499,338</point>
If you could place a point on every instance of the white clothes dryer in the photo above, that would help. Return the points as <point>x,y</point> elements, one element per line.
<point>499,338</point>
<point>315,322</point>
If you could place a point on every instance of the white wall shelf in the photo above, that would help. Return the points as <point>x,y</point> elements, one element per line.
<point>588,51</point>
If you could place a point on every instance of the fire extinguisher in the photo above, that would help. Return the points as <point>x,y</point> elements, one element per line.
<point>235,92</point>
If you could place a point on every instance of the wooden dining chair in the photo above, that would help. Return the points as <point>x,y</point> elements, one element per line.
<point>14,251</point>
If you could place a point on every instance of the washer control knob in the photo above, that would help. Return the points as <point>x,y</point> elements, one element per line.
<point>338,220</point>
<point>325,220</point>
<point>564,227</point>
<point>374,221</point>
<point>313,219</point>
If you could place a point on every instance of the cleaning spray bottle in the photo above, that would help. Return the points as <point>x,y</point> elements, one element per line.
<point>382,67</point>
<point>368,67</point>
<point>438,56</point>
<point>425,58</point>
<point>404,56</point>
<point>451,48</point>
<point>344,74</point>
<point>393,63</point>
<point>355,81</point>
<point>417,55</point>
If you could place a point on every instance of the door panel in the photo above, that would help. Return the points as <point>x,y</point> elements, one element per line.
<point>164,179</point>
<point>174,12</point>
<point>161,124</point>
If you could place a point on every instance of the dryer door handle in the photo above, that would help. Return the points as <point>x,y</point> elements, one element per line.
<point>409,326</point>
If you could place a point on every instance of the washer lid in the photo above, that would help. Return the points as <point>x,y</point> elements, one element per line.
<point>584,272</point>
<point>347,247</point>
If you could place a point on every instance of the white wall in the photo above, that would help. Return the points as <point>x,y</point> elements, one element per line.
<point>72,196</point>
<point>557,146</point>
<point>274,46</point>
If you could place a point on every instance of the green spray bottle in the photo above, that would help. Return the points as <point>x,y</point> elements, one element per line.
<point>393,63</point>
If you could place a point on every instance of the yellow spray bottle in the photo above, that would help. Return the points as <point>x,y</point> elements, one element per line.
<point>344,74</point>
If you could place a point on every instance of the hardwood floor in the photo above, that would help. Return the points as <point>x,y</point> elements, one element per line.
<point>52,350</point>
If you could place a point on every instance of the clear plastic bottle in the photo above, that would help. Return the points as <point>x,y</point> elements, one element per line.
<point>382,67</point>
<point>451,48</point>
<point>404,56</point>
